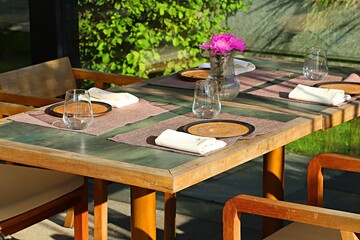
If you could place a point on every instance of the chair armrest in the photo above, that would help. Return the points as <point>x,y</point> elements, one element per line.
<point>8,109</point>
<point>336,161</point>
<point>27,100</point>
<point>287,211</point>
<point>101,78</point>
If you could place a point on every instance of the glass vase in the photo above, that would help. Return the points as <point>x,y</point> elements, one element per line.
<point>223,72</point>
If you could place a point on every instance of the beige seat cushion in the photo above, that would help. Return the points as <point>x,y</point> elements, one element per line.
<point>25,188</point>
<point>296,231</point>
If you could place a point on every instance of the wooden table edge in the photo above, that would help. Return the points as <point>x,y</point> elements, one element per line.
<point>108,170</point>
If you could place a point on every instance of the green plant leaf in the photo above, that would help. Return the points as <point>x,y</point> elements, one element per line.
<point>133,36</point>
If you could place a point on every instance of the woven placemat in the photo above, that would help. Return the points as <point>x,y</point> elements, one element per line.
<point>247,80</point>
<point>350,85</point>
<point>145,137</point>
<point>281,90</point>
<point>118,117</point>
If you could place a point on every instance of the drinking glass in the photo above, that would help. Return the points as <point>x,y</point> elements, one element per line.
<point>78,114</point>
<point>315,64</point>
<point>206,103</point>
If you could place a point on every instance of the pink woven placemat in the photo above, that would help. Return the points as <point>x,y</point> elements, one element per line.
<point>118,117</point>
<point>259,77</point>
<point>247,80</point>
<point>260,82</point>
<point>173,81</point>
<point>281,90</point>
<point>145,137</point>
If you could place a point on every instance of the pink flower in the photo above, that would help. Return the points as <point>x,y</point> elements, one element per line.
<point>224,43</point>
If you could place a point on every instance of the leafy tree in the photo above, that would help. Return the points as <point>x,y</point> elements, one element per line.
<point>128,36</point>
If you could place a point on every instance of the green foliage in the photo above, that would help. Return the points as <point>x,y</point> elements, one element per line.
<point>130,36</point>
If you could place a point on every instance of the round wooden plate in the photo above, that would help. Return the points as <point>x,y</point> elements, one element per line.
<point>194,74</point>
<point>352,88</point>
<point>219,128</point>
<point>99,109</point>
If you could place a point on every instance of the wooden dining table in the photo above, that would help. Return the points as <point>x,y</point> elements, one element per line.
<point>148,170</point>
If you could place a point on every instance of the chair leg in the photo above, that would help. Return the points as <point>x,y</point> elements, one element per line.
<point>81,217</point>
<point>69,219</point>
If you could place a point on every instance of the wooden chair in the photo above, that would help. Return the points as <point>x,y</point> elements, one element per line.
<point>309,222</point>
<point>30,195</point>
<point>45,83</point>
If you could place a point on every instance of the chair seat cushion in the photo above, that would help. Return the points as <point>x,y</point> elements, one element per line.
<point>297,230</point>
<point>25,188</point>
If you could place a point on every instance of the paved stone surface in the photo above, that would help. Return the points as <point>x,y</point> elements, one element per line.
<point>199,207</point>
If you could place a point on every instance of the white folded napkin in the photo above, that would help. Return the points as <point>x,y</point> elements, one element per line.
<point>240,66</point>
<point>320,95</point>
<point>187,142</point>
<point>114,99</point>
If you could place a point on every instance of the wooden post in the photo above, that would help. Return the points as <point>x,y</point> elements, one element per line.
<point>273,185</point>
<point>100,210</point>
<point>143,214</point>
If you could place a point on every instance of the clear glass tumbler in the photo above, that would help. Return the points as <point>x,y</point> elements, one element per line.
<point>78,113</point>
<point>315,64</point>
<point>206,103</point>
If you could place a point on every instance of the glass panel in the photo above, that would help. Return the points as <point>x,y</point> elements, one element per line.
<point>146,38</point>
<point>287,28</point>
<point>135,38</point>
<point>14,34</point>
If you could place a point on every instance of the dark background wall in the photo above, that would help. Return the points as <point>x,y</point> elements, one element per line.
<point>54,30</point>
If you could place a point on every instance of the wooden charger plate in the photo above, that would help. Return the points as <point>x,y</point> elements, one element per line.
<point>194,74</point>
<point>219,128</point>
<point>99,109</point>
<point>352,88</point>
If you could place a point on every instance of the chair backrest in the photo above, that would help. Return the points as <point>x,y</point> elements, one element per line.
<point>42,84</point>
<point>315,176</point>
<point>49,79</point>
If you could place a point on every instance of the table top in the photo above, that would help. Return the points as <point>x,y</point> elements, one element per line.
<point>165,171</point>
<point>332,116</point>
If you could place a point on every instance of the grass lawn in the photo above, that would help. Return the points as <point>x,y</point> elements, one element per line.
<point>343,139</point>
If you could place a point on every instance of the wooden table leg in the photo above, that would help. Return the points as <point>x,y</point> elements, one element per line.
<point>143,214</point>
<point>100,210</point>
<point>273,185</point>
<point>170,216</point>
